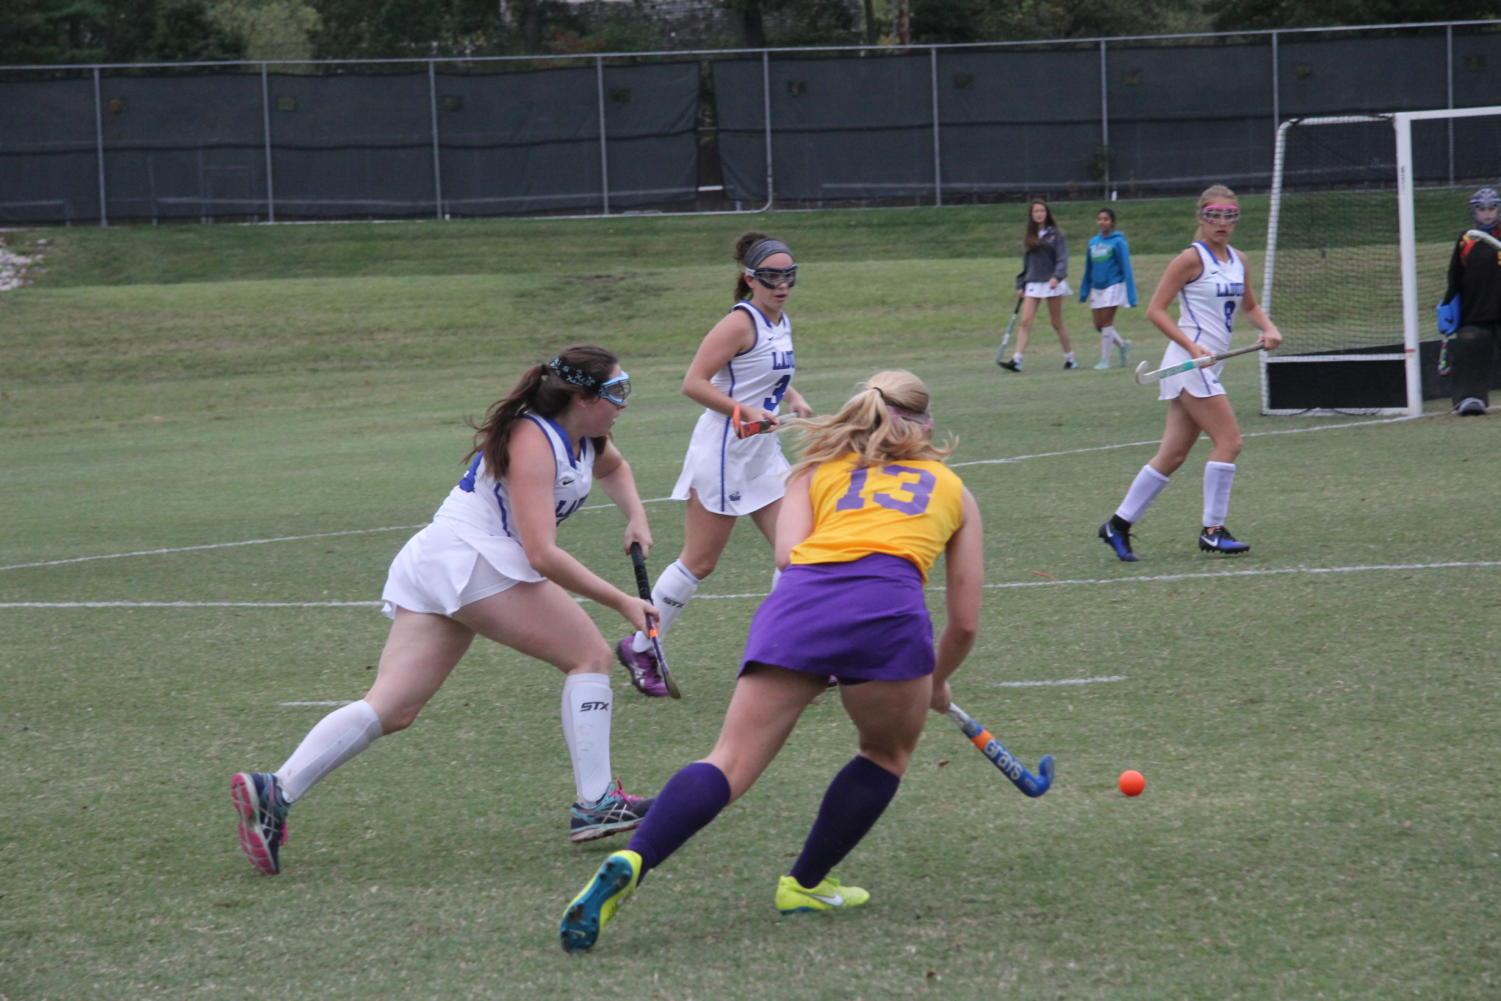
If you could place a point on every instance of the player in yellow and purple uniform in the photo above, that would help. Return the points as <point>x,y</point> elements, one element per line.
<point>867,511</point>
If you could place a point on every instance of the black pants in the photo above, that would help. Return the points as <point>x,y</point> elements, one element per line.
<point>1471,354</point>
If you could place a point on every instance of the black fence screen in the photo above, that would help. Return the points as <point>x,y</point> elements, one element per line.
<point>667,131</point>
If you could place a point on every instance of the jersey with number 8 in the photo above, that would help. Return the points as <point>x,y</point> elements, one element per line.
<point>907,509</point>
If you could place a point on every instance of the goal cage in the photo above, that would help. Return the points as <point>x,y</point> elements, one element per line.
<point>1365,211</point>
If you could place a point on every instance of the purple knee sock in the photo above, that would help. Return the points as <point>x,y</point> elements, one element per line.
<point>686,804</point>
<point>851,806</point>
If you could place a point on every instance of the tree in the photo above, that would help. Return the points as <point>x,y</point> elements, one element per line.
<point>271,29</point>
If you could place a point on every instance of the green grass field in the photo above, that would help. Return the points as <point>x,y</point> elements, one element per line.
<point>213,439</point>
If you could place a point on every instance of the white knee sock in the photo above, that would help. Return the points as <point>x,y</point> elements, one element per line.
<point>1218,478</point>
<point>671,592</point>
<point>588,704</point>
<point>1112,336</point>
<point>1105,344</point>
<point>1144,490</point>
<point>335,739</point>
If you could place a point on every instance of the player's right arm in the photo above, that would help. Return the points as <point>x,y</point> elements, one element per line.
<point>794,517</point>
<point>733,334</point>
<point>1180,271</point>
<point>964,560</point>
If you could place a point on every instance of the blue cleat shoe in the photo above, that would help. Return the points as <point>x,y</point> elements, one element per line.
<point>595,905</point>
<point>1217,539</point>
<point>1118,538</point>
<point>258,800</point>
<point>612,813</point>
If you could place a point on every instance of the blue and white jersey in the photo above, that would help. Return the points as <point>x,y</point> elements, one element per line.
<point>481,502</point>
<point>759,375</point>
<point>732,475</point>
<point>1207,305</point>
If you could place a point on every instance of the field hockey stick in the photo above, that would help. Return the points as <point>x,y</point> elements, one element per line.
<point>746,429</point>
<point>1143,377</point>
<point>1032,785</point>
<point>1480,234</point>
<point>1000,352</point>
<point>643,587</point>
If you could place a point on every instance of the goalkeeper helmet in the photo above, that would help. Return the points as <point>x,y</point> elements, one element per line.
<point>1484,205</point>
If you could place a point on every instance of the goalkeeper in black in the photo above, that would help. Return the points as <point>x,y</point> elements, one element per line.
<point>1475,276</point>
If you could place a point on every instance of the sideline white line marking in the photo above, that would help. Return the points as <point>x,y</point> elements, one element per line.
<point>1150,579</point>
<point>1155,441</point>
<point>210,545</point>
<point>190,604</point>
<point>327,702</point>
<point>662,500</point>
<point>1060,681</point>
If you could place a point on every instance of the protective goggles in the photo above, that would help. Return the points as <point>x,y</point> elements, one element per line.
<point>617,390</point>
<point>772,277</point>
<point>1220,213</point>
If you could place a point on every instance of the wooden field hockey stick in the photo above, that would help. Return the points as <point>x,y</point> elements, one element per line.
<point>1144,378</point>
<point>643,587</point>
<point>1032,785</point>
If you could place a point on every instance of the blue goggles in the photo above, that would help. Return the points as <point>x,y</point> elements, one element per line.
<point>772,277</point>
<point>617,390</point>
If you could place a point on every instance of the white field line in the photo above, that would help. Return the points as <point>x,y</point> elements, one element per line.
<point>1067,582</point>
<point>661,500</point>
<point>1058,681</point>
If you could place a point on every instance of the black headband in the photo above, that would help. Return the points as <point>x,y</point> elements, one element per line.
<point>574,374</point>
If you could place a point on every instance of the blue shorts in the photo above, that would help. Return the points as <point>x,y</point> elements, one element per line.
<point>860,621</point>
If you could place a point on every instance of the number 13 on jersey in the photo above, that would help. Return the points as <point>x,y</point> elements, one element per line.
<point>909,493</point>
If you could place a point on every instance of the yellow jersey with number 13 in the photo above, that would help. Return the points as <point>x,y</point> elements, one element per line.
<point>908,508</point>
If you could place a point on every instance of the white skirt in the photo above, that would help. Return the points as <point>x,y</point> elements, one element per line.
<point>1201,382</point>
<point>439,571</point>
<point>1104,298</point>
<point>731,475</point>
<point>1040,290</point>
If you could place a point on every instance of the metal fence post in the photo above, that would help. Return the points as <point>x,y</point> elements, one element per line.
<point>1104,122</point>
<point>766,117</point>
<point>1276,90</point>
<point>937,149</point>
<point>604,151</point>
<point>266,134</point>
<point>1449,87</point>
<point>432,110</point>
<point>99,149</point>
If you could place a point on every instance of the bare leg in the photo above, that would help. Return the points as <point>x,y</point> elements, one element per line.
<point>1024,324</point>
<point>763,710</point>
<point>1055,314</point>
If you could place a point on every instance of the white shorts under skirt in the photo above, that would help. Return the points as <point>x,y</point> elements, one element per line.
<point>1040,290</point>
<point>439,573</point>
<point>1111,295</point>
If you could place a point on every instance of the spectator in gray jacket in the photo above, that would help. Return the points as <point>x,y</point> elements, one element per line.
<point>1043,277</point>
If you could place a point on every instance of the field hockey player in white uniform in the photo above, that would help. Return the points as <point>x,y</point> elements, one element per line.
<point>745,360</point>
<point>1211,282</point>
<point>489,565</point>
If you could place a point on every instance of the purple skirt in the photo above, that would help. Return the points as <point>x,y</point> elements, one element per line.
<point>859,621</point>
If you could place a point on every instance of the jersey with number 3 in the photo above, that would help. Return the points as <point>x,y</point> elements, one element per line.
<point>760,375</point>
<point>908,508</point>
<point>1208,304</point>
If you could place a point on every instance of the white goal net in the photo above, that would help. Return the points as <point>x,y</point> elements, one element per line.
<point>1365,212</point>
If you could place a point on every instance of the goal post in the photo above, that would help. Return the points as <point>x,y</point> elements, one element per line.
<point>1364,213</point>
